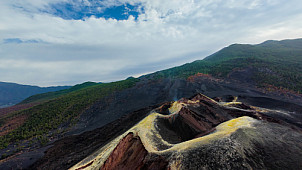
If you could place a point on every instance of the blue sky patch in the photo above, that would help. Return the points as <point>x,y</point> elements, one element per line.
<point>12,40</point>
<point>18,41</point>
<point>78,10</point>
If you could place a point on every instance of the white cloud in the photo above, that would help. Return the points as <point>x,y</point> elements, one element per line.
<point>169,33</point>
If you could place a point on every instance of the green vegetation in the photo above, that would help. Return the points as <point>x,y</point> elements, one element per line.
<point>65,109</point>
<point>51,95</point>
<point>278,63</point>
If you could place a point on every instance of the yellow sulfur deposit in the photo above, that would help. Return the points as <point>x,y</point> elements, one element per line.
<point>175,108</point>
<point>150,137</point>
<point>222,130</point>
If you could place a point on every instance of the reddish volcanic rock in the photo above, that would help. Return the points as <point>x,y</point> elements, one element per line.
<point>5,111</point>
<point>196,119</point>
<point>164,109</point>
<point>12,124</point>
<point>190,123</point>
<point>202,98</point>
<point>130,153</point>
<point>183,120</point>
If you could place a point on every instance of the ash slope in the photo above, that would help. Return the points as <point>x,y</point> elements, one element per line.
<point>201,133</point>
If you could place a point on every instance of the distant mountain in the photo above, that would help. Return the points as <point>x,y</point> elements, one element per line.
<point>53,94</point>
<point>12,93</point>
<point>267,76</point>
<point>274,63</point>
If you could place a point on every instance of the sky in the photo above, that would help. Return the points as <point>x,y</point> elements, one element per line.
<point>66,42</point>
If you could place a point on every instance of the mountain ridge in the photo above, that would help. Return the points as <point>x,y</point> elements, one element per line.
<point>13,93</point>
<point>272,64</point>
<point>245,77</point>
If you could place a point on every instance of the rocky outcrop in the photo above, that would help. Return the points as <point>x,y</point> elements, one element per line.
<point>198,117</point>
<point>200,133</point>
<point>68,151</point>
<point>177,135</point>
<point>130,153</point>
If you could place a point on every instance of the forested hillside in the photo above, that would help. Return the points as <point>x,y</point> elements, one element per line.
<point>49,116</point>
<point>12,93</point>
<point>42,117</point>
<point>51,95</point>
<point>276,63</point>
